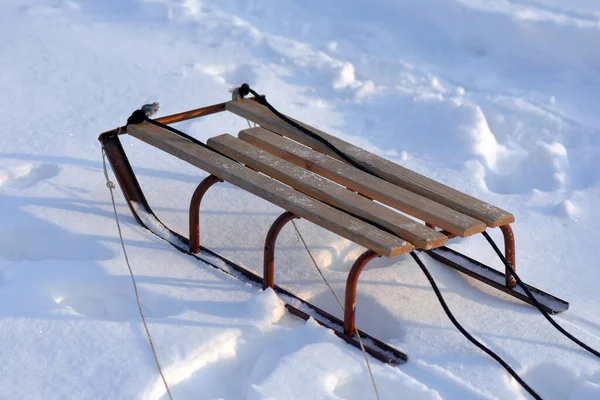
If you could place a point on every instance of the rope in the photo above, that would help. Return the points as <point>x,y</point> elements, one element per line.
<point>111,186</point>
<point>536,303</point>
<point>466,334</point>
<point>362,346</point>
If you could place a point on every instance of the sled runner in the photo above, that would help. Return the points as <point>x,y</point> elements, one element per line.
<point>390,210</point>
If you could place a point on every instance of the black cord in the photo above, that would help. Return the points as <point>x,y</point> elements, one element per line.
<point>534,300</point>
<point>178,132</point>
<point>245,89</point>
<point>467,334</point>
<point>139,116</point>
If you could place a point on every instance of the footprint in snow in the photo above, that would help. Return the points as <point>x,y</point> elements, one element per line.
<point>42,242</point>
<point>110,300</point>
<point>27,175</point>
<point>551,380</point>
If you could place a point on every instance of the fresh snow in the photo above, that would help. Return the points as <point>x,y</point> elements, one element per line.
<point>496,98</point>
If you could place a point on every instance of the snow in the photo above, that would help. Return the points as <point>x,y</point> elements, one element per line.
<point>495,98</point>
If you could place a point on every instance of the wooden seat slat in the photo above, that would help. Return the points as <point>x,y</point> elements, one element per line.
<point>327,191</point>
<point>366,184</point>
<point>491,215</point>
<point>313,210</point>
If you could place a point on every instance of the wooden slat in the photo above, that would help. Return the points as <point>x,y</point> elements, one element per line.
<point>491,215</point>
<point>327,191</point>
<point>271,190</point>
<point>366,184</point>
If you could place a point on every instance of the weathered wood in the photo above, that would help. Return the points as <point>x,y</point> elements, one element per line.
<point>271,190</point>
<point>327,191</point>
<point>366,184</point>
<point>491,215</point>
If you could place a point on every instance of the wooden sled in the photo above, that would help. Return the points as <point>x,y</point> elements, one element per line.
<point>284,166</point>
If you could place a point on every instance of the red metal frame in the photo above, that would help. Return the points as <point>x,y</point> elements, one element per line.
<point>194,222</point>
<point>351,282</point>
<point>509,250</point>
<point>351,285</point>
<point>173,118</point>
<point>509,253</point>
<point>269,255</point>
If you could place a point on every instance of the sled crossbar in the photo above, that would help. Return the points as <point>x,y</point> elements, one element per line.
<point>390,212</point>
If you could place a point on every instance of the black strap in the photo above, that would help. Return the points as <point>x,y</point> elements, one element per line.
<point>535,302</point>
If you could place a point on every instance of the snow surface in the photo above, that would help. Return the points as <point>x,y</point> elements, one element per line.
<point>497,98</point>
